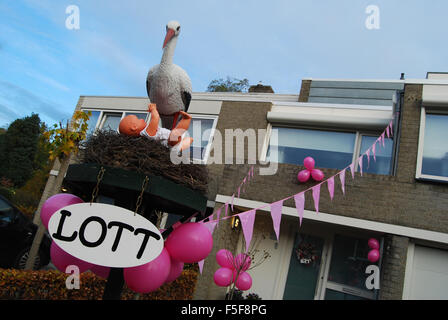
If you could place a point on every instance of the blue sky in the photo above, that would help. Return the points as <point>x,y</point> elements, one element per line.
<point>44,67</point>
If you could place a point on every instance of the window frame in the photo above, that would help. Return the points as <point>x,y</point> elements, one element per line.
<point>421,144</point>
<point>101,118</point>
<point>210,139</point>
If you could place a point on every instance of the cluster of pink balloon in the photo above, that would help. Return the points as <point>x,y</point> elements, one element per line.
<point>374,254</point>
<point>233,270</point>
<point>189,243</point>
<point>304,175</point>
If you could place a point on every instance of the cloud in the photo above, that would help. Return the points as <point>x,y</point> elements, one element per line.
<point>17,102</point>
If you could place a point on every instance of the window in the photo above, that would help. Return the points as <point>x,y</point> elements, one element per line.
<point>330,149</point>
<point>432,160</point>
<point>346,277</point>
<point>109,120</point>
<point>383,155</point>
<point>7,213</point>
<point>201,130</point>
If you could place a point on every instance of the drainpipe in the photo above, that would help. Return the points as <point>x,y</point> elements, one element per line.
<point>399,97</point>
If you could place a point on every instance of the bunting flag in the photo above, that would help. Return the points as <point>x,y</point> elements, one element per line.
<point>238,194</point>
<point>390,125</point>
<point>387,131</point>
<point>201,265</point>
<point>330,185</point>
<point>227,206</point>
<point>382,138</point>
<point>360,164</point>
<point>342,178</point>
<point>368,157</point>
<point>352,170</point>
<point>247,224</point>
<point>276,214</point>
<point>374,149</point>
<point>210,225</point>
<point>218,213</point>
<point>316,196</point>
<point>299,200</point>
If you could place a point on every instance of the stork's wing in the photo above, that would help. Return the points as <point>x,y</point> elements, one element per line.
<point>150,78</point>
<point>184,86</point>
<point>186,98</point>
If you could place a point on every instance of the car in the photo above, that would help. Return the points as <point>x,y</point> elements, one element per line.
<point>16,237</point>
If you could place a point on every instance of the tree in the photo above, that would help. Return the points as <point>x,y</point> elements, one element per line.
<point>228,85</point>
<point>63,141</point>
<point>19,146</point>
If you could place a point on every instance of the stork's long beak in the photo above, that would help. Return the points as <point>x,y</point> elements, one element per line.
<point>169,35</point>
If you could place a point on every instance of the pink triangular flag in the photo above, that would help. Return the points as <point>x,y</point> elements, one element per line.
<point>316,196</point>
<point>299,199</point>
<point>201,265</point>
<point>352,170</point>
<point>276,214</point>
<point>252,171</point>
<point>210,225</point>
<point>218,213</point>
<point>373,150</point>
<point>239,190</point>
<point>342,178</point>
<point>368,157</point>
<point>387,131</point>
<point>390,125</point>
<point>382,138</point>
<point>247,223</point>
<point>244,180</point>
<point>360,164</point>
<point>330,185</point>
<point>225,212</point>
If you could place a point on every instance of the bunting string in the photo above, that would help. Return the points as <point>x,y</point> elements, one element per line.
<point>247,218</point>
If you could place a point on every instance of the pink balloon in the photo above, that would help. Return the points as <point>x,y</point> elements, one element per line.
<point>304,175</point>
<point>373,255</point>
<point>150,276</point>
<point>373,243</point>
<point>56,202</point>
<point>175,271</point>
<point>242,261</point>
<point>244,281</point>
<point>100,271</point>
<point>309,163</point>
<point>223,277</point>
<point>317,174</point>
<point>189,243</point>
<point>225,258</point>
<point>62,259</point>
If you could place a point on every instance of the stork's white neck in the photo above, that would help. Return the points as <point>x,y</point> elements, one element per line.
<point>168,52</point>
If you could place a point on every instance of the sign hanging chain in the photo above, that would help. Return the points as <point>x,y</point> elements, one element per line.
<point>99,177</point>
<point>140,197</point>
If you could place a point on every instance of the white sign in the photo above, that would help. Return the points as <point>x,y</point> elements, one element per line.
<point>105,235</point>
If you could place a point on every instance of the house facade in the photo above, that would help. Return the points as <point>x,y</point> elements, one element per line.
<point>399,196</point>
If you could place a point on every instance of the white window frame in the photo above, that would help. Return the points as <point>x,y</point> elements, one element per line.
<point>210,139</point>
<point>101,118</point>
<point>421,143</point>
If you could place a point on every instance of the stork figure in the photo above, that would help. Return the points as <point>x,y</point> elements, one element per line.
<point>167,84</point>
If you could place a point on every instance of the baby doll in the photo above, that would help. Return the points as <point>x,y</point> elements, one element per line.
<point>133,126</point>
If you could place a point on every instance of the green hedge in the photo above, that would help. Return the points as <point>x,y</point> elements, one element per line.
<point>50,285</point>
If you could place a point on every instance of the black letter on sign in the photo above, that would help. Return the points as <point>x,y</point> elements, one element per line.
<point>120,226</point>
<point>58,235</point>
<point>147,234</point>
<point>83,228</point>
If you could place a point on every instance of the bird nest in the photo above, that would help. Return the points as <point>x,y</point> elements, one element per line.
<point>143,155</point>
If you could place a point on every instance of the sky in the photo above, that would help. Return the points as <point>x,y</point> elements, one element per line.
<point>45,66</point>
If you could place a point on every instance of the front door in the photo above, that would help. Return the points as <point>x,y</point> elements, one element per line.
<point>304,267</point>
